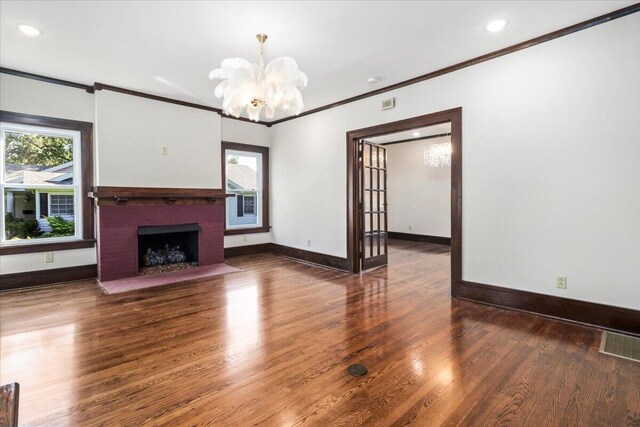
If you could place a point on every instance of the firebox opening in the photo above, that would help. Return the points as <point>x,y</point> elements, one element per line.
<point>167,248</point>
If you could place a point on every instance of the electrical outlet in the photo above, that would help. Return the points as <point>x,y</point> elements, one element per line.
<point>165,151</point>
<point>244,238</point>
<point>561,282</point>
<point>308,243</point>
<point>48,257</point>
<point>410,228</point>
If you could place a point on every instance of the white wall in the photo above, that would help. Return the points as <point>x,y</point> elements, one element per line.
<point>253,134</point>
<point>34,97</point>
<point>419,196</point>
<point>28,96</point>
<point>131,133</point>
<point>551,175</point>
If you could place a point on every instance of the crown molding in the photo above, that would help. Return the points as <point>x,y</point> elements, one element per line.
<point>602,19</point>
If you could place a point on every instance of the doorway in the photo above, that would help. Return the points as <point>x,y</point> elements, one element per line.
<point>366,175</point>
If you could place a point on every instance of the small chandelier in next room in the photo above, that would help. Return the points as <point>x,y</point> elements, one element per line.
<point>254,86</point>
<point>438,155</point>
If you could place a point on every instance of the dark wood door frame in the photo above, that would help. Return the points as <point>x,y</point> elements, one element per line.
<point>454,116</point>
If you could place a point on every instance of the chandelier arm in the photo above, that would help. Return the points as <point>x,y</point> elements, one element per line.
<point>261,39</point>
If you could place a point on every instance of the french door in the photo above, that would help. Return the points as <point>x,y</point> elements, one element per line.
<point>373,204</point>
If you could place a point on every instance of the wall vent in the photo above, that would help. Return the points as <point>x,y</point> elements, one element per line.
<point>619,345</point>
<point>388,104</point>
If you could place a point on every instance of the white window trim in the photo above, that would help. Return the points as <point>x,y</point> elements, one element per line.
<point>76,186</point>
<point>257,194</point>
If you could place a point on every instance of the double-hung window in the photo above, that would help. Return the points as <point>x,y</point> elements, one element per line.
<point>40,182</point>
<point>246,176</point>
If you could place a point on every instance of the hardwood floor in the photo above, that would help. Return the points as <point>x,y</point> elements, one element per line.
<point>271,344</point>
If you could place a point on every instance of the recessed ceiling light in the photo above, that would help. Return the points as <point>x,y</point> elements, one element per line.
<point>496,25</point>
<point>29,30</point>
<point>372,80</point>
<point>416,134</point>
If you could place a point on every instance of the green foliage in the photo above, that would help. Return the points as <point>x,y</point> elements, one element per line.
<point>34,149</point>
<point>233,160</point>
<point>61,227</point>
<point>18,228</point>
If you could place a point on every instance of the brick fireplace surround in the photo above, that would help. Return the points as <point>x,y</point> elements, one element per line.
<point>118,232</point>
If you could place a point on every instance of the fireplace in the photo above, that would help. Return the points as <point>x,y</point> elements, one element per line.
<point>163,248</point>
<point>132,221</point>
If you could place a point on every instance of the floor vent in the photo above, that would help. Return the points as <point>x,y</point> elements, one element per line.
<point>620,345</point>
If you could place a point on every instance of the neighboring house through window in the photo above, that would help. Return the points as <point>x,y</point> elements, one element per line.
<point>246,175</point>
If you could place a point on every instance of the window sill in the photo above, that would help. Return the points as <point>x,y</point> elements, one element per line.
<point>253,230</point>
<point>9,249</point>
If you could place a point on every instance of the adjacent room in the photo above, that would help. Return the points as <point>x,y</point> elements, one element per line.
<point>327,213</point>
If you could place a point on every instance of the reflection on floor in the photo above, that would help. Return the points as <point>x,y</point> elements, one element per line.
<point>271,345</point>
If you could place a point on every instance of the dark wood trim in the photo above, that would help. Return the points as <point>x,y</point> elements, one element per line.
<point>324,260</point>
<point>420,238</point>
<point>9,404</point>
<point>266,225</point>
<point>605,316</point>
<point>47,277</point>
<point>253,230</point>
<point>400,141</point>
<point>132,192</point>
<point>103,86</point>
<point>311,257</point>
<point>46,247</point>
<point>247,250</point>
<point>32,76</point>
<point>602,19</point>
<point>454,116</point>
<point>86,161</point>
<point>153,196</point>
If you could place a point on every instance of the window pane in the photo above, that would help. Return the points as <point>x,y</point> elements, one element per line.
<point>29,215</point>
<point>61,204</point>
<point>243,177</point>
<point>36,159</point>
<point>242,174</point>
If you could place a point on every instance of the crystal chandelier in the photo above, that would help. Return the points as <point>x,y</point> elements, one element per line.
<point>254,86</point>
<point>438,154</point>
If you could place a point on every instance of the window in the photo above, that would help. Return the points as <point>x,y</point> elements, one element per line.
<point>245,205</point>
<point>246,175</point>
<point>61,204</point>
<point>42,184</point>
<point>249,205</point>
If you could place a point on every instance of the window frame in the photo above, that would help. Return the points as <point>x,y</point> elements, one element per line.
<point>263,210</point>
<point>84,237</point>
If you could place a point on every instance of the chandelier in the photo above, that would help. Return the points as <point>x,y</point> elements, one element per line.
<point>254,86</point>
<point>438,155</point>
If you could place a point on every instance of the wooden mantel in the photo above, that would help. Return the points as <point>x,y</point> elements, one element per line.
<point>153,196</point>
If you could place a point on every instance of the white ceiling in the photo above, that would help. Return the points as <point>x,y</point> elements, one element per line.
<point>408,134</point>
<point>168,47</point>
